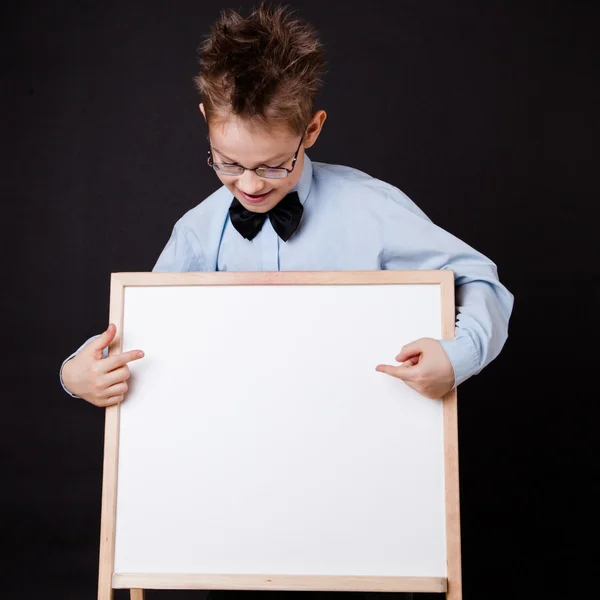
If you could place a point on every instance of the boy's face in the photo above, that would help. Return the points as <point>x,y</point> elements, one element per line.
<point>236,142</point>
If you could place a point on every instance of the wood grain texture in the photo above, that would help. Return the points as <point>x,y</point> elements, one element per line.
<point>453,545</point>
<point>284,278</point>
<point>111,458</point>
<point>176,581</point>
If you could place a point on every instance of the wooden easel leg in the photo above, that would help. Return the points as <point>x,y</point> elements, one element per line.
<point>137,594</point>
<point>105,590</point>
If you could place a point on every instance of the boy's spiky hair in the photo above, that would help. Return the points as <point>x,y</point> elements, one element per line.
<point>265,67</point>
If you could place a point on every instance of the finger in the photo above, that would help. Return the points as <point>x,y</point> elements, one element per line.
<point>401,372</point>
<point>110,363</point>
<point>117,376</point>
<point>387,369</point>
<point>113,400</point>
<point>408,351</point>
<point>118,389</point>
<point>410,362</point>
<point>106,337</point>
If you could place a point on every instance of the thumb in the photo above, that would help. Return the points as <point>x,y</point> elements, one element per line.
<point>104,340</point>
<point>408,351</point>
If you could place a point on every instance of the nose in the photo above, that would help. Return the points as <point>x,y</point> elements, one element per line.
<point>250,183</point>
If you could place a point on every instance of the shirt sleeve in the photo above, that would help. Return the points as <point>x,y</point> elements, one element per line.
<point>483,303</point>
<point>181,254</point>
<point>178,256</point>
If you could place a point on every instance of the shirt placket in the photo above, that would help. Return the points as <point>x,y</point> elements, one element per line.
<point>269,248</point>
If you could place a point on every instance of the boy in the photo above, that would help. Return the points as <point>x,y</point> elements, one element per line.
<point>277,210</point>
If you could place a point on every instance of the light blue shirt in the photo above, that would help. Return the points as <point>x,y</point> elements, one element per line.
<point>353,222</point>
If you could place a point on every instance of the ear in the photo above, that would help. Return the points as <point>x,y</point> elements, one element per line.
<point>314,128</point>
<point>201,107</point>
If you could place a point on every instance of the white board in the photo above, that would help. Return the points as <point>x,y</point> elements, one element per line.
<point>257,436</point>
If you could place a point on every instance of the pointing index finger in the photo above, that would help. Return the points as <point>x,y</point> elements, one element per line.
<point>118,360</point>
<point>403,372</point>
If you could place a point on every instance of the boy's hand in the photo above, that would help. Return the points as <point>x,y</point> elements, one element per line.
<point>100,381</point>
<point>425,367</point>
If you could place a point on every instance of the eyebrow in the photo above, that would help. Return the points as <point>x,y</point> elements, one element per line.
<point>227,158</point>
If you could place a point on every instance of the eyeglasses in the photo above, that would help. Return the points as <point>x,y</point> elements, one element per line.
<point>267,172</point>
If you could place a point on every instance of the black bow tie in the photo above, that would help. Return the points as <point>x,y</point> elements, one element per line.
<point>284,216</point>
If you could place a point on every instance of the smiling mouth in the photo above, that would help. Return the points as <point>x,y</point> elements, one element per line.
<point>255,198</point>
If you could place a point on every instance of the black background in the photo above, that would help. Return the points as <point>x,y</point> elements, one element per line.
<point>482,112</point>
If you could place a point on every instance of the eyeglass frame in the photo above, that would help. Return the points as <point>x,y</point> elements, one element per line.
<point>212,163</point>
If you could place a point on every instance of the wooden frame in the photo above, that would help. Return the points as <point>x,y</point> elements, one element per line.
<point>108,580</point>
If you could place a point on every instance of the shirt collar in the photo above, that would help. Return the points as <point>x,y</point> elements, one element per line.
<point>305,181</point>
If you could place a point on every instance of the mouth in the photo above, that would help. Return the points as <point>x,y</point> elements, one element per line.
<point>254,198</point>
